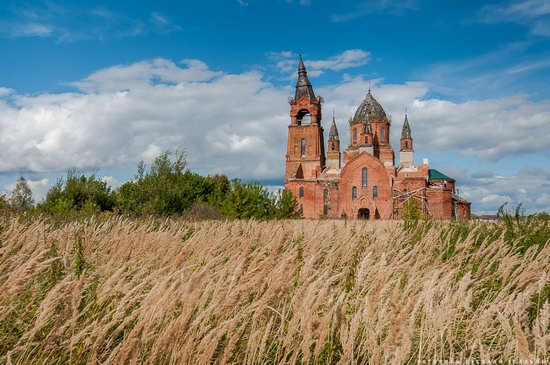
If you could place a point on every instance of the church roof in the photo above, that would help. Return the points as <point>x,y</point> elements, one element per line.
<point>406,132</point>
<point>333,134</point>
<point>303,86</point>
<point>370,109</point>
<point>434,174</point>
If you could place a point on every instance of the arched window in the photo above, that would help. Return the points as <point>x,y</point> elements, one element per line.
<point>301,191</point>
<point>303,117</point>
<point>354,192</point>
<point>354,135</point>
<point>325,193</point>
<point>406,144</point>
<point>382,134</point>
<point>375,191</point>
<point>303,147</point>
<point>364,177</point>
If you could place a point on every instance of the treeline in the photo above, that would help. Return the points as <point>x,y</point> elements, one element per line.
<point>166,187</point>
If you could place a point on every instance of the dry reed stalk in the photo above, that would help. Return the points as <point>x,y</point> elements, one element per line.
<point>308,292</point>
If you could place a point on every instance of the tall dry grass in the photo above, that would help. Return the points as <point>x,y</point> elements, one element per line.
<point>317,292</point>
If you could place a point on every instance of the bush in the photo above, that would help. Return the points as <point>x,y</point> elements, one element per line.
<point>167,188</point>
<point>78,193</point>
<point>250,200</point>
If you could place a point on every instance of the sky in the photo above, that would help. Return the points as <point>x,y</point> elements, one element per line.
<point>101,85</point>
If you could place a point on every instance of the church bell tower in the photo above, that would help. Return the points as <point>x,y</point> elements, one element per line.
<point>305,157</point>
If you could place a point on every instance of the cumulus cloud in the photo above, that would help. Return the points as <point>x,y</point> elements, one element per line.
<point>237,124</point>
<point>123,114</point>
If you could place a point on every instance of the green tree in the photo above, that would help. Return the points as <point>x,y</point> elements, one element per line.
<point>167,187</point>
<point>21,196</point>
<point>411,210</point>
<point>78,193</point>
<point>250,200</point>
<point>286,205</point>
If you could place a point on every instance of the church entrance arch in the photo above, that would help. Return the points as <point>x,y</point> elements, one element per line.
<point>363,213</point>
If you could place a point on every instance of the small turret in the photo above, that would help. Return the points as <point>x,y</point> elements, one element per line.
<point>333,134</point>
<point>333,155</point>
<point>406,150</point>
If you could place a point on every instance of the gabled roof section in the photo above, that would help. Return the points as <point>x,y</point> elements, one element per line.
<point>434,174</point>
<point>303,86</point>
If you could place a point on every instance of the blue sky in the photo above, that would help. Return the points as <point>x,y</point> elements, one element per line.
<point>106,84</point>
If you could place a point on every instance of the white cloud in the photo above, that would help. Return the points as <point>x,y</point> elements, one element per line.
<point>111,181</point>
<point>4,91</point>
<point>69,23</point>
<point>127,113</point>
<point>26,29</point>
<point>531,13</point>
<point>141,75</point>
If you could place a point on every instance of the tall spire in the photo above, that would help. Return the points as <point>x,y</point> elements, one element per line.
<point>406,132</point>
<point>303,86</point>
<point>333,134</point>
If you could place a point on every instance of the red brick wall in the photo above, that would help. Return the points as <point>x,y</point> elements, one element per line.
<point>313,201</point>
<point>440,203</point>
<point>463,210</point>
<point>377,176</point>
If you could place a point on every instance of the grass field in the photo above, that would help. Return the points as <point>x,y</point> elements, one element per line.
<point>117,291</point>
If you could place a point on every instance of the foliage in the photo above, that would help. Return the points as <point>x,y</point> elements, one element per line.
<point>412,210</point>
<point>21,198</point>
<point>167,188</point>
<point>247,201</point>
<point>524,230</point>
<point>286,205</point>
<point>77,193</point>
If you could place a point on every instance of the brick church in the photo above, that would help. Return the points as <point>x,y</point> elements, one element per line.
<point>364,182</point>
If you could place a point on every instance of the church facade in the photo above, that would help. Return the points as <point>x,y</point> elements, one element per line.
<point>363,182</point>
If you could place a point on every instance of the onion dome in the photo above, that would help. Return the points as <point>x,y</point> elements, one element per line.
<point>370,109</point>
<point>333,134</point>
<point>303,86</point>
<point>406,132</point>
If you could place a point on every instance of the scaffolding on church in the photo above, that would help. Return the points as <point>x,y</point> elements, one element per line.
<point>401,197</point>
